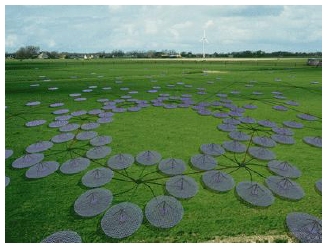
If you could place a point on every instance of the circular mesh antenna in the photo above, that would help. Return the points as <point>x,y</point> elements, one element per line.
<point>101,140</point>
<point>60,111</point>
<point>293,124</point>
<point>164,211</point>
<point>63,118</point>
<point>87,135</point>
<point>212,149</point>
<point>231,121</point>
<point>33,103</point>
<point>221,114</point>
<point>122,220</point>
<point>283,139</point>
<point>255,194</point>
<point>89,126</point>
<point>57,104</point>
<point>307,117</point>
<point>172,166</point>
<point>267,123</point>
<point>148,158</point>
<point>226,127</point>
<point>93,202</point>
<point>261,153</point>
<point>234,146</point>
<point>305,227</point>
<point>69,127</point>
<point>280,108</point>
<point>247,120</point>
<point>104,120</point>
<point>35,123</point>
<point>120,161</point>
<point>98,152</point>
<point>97,177</point>
<point>285,187</point>
<point>42,169</point>
<point>203,162</point>
<point>239,136</point>
<point>28,160</point>
<point>63,137</point>
<point>39,147</point>
<point>182,186</point>
<point>79,113</point>
<point>313,141</point>
<point>283,131</point>
<point>63,237</point>
<point>75,165</point>
<point>263,141</point>
<point>218,181</point>
<point>7,181</point>
<point>57,123</point>
<point>9,153</point>
<point>284,169</point>
<point>318,185</point>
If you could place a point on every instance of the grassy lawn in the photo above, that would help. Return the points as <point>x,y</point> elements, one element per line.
<point>36,208</point>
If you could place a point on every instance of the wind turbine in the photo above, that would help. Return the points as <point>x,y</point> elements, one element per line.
<point>204,40</point>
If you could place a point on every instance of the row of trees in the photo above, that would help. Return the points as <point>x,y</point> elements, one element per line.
<point>31,52</point>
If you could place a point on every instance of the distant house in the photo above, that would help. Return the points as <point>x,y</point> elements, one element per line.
<point>314,61</point>
<point>43,55</point>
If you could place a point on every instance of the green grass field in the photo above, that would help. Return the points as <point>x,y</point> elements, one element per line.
<point>36,208</point>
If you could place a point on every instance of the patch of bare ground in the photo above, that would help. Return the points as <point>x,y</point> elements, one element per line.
<point>215,72</point>
<point>254,239</point>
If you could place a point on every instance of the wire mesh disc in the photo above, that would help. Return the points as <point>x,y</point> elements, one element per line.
<point>218,181</point>
<point>267,123</point>
<point>79,113</point>
<point>148,157</point>
<point>284,169</point>
<point>307,117</point>
<point>181,186</point>
<point>264,141</point>
<point>120,161</point>
<point>60,111</point>
<point>63,237</point>
<point>226,127</point>
<point>86,135</point>
<point>93,202</point>
<point>63,137</point>
<point>57,123</point>
<point>69,127</point>
<point>97,177</point>
<point>74,165</point>
<point>172,166</point>
<point>101,140</point>
<point>285,187</point>
<point>103,120</point>
<point>89,126</point>
<point>247,120</point>
<point>9,153</point>
<point>234,146</point>
<point>212,149</point>
<point>7,180</point>
<point>255,194</point>
<point>313,141</point>
<point>203,162</point>
<point>164,211</point>
<point>63,117</point>
<point>283,139</point>
<point>39,147</point>
<point>239,136</point>
<point>261,153</point>
<point>57,104</point>
<point>283,131</point>
<point>28,160</point>
<point>231,121</point>
<point>98,152</point>
<point>250,106</point>
<point>35,123</point>
<point>35,103</point>
<point>122,220</point>
<point>293,124</point>
<point>318,185</point>
<point>305,227</point>
<point>42,169</point>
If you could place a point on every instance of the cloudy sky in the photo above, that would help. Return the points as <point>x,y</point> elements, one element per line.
<point>180,28</point>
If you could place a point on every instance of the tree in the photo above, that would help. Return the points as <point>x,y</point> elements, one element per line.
<point>28,52</point>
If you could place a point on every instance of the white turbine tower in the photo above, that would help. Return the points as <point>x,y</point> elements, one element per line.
<point>204,40</point>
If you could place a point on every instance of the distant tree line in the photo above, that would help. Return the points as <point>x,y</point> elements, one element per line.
<point>33,52</point>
